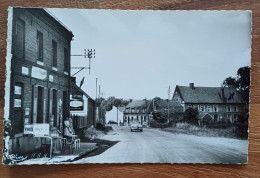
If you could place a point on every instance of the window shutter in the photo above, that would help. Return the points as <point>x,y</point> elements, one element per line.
<point>50,101</point>
<point>35,100</point>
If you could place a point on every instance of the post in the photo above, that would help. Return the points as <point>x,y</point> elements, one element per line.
<point>96,87</point>
<point>117,115</point>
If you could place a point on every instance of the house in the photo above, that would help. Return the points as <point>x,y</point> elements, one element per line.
<point>82,107</point>
<point>137,111</point>
<point>215,104</point>
<point>39,77</point>
<point>116,114</point>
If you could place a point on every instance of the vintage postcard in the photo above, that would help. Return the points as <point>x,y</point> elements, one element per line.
<point>126,86</point>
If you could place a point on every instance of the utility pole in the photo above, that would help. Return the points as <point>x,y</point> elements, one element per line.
<point>90,54</point>
<point>99,92</point>
<point>96,87</point>
<point>169,93</point>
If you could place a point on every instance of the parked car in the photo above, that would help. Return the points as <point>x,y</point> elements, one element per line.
<point>136,126</point>
<point>112,122</point>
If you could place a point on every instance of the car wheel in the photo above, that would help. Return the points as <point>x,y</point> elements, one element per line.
<point>141,130</point>
<point>131,130</point>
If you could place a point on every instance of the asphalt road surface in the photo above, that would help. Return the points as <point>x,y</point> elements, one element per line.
<point>157,146</point>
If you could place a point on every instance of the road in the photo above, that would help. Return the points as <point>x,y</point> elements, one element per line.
<point>157,146</point>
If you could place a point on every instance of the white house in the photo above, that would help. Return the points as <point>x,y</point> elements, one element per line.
<point>114,114</point>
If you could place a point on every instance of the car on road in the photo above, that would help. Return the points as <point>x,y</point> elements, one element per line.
<point>112,122</point>
<point>136,126</point>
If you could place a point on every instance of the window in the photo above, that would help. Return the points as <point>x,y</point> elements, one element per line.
<point>39,46</point>
<point>40,104</point>
<point>235,109</point>
<point>54,53</point>
<point>215,108</point>
<point>18,110</point>
<point>235,118</point>
<point>144,118</point>
<point>202,108</point>
<point>228,108</point>
<point>209,108</point>
<point>189,106</point>
<point>54,106</point>
<point>66,60</point>
<point>20,38</point>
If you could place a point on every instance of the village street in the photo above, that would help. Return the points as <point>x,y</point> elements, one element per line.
<point>157,146</point>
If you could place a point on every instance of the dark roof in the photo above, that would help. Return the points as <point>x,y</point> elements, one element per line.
<point>138,104</point>
<point>160,104</point>
<point>77,90</point>
<point>209,94</point>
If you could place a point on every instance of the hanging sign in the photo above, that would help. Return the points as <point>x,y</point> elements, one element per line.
<point>76,105</point>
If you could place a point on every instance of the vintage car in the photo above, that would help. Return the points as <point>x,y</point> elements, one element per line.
<point>136,126</point>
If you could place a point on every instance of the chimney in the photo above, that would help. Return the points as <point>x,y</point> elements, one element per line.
<point>223,94</point>
<point>192,86</point>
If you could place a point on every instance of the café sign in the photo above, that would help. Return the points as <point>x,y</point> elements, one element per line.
<point>37,130</point>
<point>76,105</point>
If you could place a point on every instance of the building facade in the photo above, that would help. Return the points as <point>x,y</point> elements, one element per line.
<point>137,111</point>
<point>40,74</point>
<point>215,104</point>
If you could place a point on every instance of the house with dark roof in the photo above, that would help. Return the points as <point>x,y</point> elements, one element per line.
<point>82,107</point>
<point>141,110</point>
<point>137,111</point>
<point>215,104</point>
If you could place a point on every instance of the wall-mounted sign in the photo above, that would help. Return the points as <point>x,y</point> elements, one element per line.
<point>17,103</point>
<point>51,78</point>
<point>39,73</point>
<point>17,90</point>
<point>25,70</point>
<point>37,130</point>
<point>76,96</point>
<point>27,111</point>
<point>26,120</point>
<point>76,105</point>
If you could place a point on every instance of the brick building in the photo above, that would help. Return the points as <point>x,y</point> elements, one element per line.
<point>40,74</point>
<point>215,104</point>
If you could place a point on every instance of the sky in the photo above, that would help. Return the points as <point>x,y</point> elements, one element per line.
<point>139,54</point>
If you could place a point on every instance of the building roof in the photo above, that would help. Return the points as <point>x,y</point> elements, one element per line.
<point>209,94</point>
<point>138,104</point>
<point>77,89</point>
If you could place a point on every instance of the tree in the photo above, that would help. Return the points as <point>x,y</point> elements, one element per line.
<point>159,117</point>
<point>241,82</point>
<point>191,116</point>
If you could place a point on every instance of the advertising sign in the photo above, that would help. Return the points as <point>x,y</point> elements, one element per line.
<point>76,105</point>
<point>37,130</point>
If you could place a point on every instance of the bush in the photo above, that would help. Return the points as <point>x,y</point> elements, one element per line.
<point>100,127</point>
<point>191,116</point>
<point>242,126</point>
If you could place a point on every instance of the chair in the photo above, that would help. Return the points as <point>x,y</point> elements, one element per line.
<point>68,143</point>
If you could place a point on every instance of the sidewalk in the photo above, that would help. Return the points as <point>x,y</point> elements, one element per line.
<point>64,157</point>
